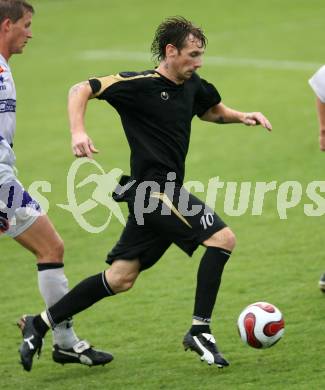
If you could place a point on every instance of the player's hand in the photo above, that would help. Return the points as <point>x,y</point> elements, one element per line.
<point>82,145</point>
<point>257,118</point>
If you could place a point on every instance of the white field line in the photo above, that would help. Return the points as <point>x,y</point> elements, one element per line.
<point>136,56</point>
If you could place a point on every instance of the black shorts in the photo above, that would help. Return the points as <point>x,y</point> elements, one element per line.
<point>176,217</point>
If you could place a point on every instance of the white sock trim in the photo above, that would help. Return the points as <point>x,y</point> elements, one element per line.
<point>46,319</point>
<point>198,322</point>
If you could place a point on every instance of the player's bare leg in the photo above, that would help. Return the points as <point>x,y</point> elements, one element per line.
<point>122,275</point>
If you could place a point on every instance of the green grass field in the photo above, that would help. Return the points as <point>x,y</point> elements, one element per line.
<point>260,56</point>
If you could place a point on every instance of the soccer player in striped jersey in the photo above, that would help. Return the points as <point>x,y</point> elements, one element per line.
<point>20,215</point>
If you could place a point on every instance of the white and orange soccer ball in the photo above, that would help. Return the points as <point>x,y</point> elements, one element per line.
<point>260,325</point>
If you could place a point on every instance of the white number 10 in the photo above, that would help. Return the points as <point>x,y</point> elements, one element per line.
<point>206,220</point>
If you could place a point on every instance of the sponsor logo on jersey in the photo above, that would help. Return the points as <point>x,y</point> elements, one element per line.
<point>7,105</point>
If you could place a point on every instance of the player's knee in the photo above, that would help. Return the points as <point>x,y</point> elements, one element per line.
<point>53,252</point>
<point>59,248</point>
<point>225,238</point>
<point>127,283</point>
<point>123,283</point>
<point>120,282</point>
<point>230,242</point>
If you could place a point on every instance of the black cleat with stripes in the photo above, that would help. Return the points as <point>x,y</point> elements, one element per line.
<point>32,342</point>
<point>205,345</point>
<point>81,353</point>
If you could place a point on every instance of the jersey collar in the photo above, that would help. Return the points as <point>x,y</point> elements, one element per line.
<point>169,81</point>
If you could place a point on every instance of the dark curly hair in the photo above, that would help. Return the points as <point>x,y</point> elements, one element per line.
<point>14,9</point>
<point>175,31</point>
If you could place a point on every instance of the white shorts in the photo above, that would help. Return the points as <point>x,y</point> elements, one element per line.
<point>18,210</point>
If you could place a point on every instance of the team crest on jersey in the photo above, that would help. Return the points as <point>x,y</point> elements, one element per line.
<point>164,95</point>
<point>2,69</point>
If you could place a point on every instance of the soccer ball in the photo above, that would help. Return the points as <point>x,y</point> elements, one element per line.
<point>260,325</point>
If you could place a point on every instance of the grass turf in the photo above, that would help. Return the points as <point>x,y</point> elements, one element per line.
<point>276,260</point>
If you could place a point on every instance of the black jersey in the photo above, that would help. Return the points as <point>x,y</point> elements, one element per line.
<point>156,115</point>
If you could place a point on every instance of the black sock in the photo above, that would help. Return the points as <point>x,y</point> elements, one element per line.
<point>208,282</point>
<point>196,329</point>
<point>40,325</point>
<point>82,296</point>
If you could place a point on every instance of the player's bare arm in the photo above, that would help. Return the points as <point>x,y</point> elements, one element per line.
<point>222,114</point>
<point>79,94</point>
<point>321,119</point>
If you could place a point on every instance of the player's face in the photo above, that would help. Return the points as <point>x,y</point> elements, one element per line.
<point>188,59</point>
<point>19,33</point>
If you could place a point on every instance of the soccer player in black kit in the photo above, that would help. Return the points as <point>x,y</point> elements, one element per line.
<point>156,109</point>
